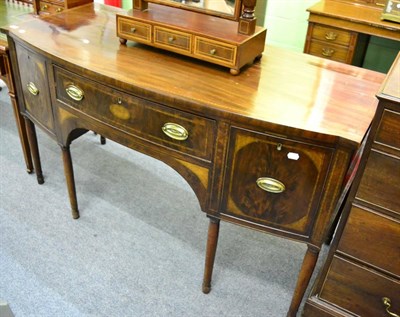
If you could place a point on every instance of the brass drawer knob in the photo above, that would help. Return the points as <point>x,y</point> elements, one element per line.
<point>133,30</point>
<point>213,51</point>
<point>45,7</point>
<point>74,92</point>
<point>388,303</point>
<point>270,185</point>
<point>32,88</point>
<point>59,10</point>
<point>330,36</point>
<point>175,131</point>
<point>171,39</point>
<point>328,52</point>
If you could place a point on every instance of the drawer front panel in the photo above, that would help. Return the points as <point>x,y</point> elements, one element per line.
<point>389,129</point>
<point>259,165</point>
<point>138,116</point>
<point>215,51</point>
<point>172,40</point>
<point>359,290</point>
<point>133,30</point>
<point>325,50</point>
<point>35,86</point>
<point>331,35</point>
<point>49,8</point>
<point>380,183</point>
<point>373,239</point>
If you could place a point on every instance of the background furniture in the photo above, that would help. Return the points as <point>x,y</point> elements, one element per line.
<point>362,273</point>
<point>45,7</point>
<point>202,122</point>
<point>14,12</point>
<point>340,30</point>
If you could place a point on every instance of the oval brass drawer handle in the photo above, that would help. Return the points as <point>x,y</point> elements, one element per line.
<point>330,36</point>
<point>388,303</point>
<point>270,185</point>
<point>175,131</point>
<point>74,92</point>
<point>32,88</point>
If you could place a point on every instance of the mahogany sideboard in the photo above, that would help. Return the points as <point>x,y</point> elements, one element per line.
<point>268,149</point>
<point>361,276</point>
<point>340,29</point>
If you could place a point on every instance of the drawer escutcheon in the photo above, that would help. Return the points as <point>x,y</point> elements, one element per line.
<point>74,92</point>
<point>270,185</point>
<point>175,131</point>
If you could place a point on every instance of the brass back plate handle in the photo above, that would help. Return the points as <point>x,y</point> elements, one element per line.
<point>175,131</point>
<point>270,185</point>
<point>388,303</point>
<point>32,88</point>
<point>74,92</point>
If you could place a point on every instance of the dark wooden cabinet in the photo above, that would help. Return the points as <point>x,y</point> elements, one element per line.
<point>362,273</point>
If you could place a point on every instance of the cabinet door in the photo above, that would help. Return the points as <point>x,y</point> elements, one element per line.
<point>35,87</point>
<point>274,182</point>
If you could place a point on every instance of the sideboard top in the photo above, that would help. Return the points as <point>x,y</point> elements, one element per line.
<point>285,88</point>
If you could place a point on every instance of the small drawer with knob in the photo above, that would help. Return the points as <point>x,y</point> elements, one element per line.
<point>214,51</point>
<point>334,52</point>
<point>331,35</point>
<point>134,30</point>
<point>172,40</point>
<point>49,8</point>
<point>163,126</point>
<point>273,181</point>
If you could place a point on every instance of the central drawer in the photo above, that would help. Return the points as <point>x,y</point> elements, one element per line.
<point>178,130</point>
<point>274,182</point>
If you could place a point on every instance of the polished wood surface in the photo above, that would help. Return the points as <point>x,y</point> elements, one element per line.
<point>310,114</point>
<point>285,88</point>
<point>361,275</point>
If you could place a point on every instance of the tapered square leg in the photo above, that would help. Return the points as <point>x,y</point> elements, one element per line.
<point>212,242</point>
<point>30,129</point>
<point>69,177</point>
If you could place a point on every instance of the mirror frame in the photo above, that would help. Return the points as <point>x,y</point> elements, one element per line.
<point>235,16</point>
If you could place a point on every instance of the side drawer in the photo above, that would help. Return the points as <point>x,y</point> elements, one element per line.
<point>178,130</point>
<point>389,129</point>
<point>331,35</point>
<point>134,30</point>
<point>380,183</point>
<point>359,290</point>
<point>330,51</point>
<point>273,181</point>
<point>35,86</point>
<point>372,238</point>
<point>214,51</point>
<point>172,40</point>
<point>49,8</point>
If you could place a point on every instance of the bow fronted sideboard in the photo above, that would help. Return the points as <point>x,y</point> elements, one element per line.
<point>268,149</point>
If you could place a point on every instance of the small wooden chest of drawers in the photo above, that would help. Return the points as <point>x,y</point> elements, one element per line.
<point>361,275</point>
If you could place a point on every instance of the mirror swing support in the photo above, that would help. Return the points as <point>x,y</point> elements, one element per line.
<point>228,40</point>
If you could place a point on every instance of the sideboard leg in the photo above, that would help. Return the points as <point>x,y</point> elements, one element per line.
<point>69,177</point>
<point>32,138</point>
<point>212,242</point>
<point>23,136</point>
<point>307,268</point>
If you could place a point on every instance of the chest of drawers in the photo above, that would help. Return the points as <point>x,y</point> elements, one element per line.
<point>362,274</point>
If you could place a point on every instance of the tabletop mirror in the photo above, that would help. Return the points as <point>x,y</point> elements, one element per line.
<point>222,32</point>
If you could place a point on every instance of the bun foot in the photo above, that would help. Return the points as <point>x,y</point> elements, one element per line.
<point>234,71</point>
